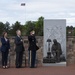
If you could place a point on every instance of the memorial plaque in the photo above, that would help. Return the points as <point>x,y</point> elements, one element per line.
<point>54,53</point>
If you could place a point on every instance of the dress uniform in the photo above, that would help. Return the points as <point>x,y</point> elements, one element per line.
<point>32,50</point>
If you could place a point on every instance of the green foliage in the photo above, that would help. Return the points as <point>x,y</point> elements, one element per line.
<point>39,26</point>
<point>70,31</point>
<point>2,27</point>
<point>34,25</point>
<point>30,25</point>
<point>15,27</point>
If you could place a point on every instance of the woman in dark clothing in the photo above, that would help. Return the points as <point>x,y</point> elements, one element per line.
<point>5,49</point>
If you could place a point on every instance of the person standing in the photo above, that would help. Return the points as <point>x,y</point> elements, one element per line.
<point>5,48</point>
<point>19,49</point>
<point>32,49</point>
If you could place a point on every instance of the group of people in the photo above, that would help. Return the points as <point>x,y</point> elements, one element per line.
<point>19,49</point>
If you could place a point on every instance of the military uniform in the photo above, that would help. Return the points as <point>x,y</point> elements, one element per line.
<point>32,50</point>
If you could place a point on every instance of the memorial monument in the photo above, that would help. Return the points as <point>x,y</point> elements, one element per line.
<point>54,52</point>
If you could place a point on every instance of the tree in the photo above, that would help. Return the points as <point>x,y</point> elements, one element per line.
<point>34,25</point>
<point>7,27</point>
<point>28,27</point>
<point>2,28</point>
<point>70,31</point>
<point>15,27</point>
<point>25,29</point>
<point>39,26</point>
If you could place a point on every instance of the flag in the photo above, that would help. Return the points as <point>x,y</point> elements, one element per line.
<point>23,4</point>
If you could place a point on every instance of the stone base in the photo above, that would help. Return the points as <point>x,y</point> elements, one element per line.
<point>48,60</point>
<point>55,64</point>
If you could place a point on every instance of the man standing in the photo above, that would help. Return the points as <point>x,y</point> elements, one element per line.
<point>19,49</point>
<point>32,48</point>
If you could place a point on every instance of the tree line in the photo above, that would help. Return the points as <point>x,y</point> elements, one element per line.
<point>70,30</point>
<point>26,28</point>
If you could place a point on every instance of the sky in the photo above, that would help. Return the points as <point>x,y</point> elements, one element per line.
<point>12,11</point>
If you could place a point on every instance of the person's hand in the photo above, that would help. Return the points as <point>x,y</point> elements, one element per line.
<point>33,32</point>
<point>21,40</point>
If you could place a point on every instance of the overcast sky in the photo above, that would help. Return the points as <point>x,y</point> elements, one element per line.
<point>11,10</point>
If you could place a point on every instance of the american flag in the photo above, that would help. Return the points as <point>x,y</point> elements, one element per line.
<point>23,4</point>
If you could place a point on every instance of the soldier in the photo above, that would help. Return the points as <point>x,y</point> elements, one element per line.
<point>56,50</point>
<point>32,49</point>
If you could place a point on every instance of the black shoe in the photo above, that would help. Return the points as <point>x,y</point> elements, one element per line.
<point>32,67</point>
<point>17,66</point>
<point>3,67</point>
<point>20,66</point>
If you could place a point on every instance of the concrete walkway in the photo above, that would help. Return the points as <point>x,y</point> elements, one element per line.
<point>69,70</point>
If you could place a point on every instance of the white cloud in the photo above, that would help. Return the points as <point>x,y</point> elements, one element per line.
<point>12,10</point>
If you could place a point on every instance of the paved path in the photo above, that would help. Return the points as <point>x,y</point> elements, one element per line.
<point>69,70</point>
